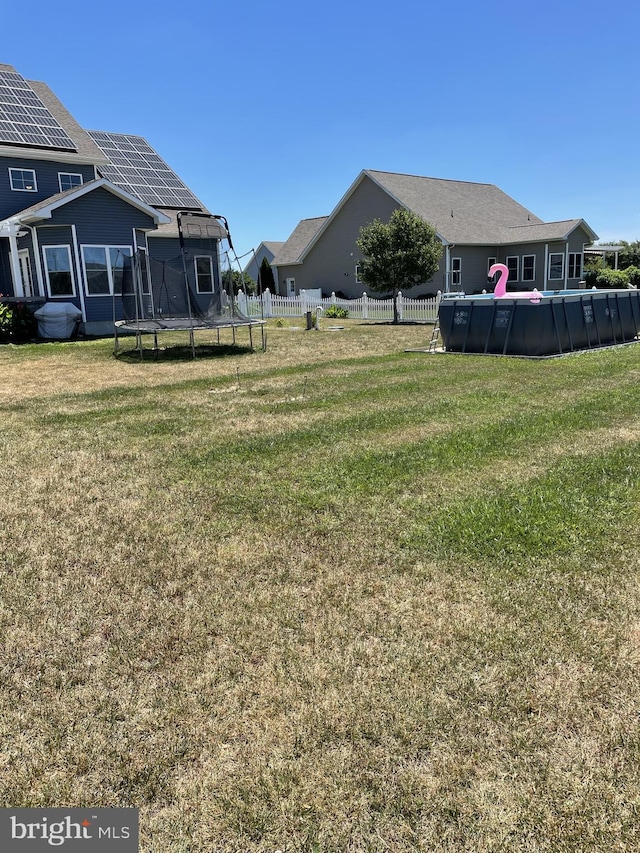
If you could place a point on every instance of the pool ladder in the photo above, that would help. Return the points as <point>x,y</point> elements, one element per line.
<point>435,335</point>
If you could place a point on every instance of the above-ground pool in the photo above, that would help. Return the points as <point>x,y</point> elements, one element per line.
<point>555,322</point>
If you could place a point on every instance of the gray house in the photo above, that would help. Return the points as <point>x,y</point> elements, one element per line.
<point>267,249</point>
<point>76,205</point>
<point>478,225</point>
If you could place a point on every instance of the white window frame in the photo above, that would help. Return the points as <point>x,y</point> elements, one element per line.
<point>46,271</point>
<point>517,265</point>
<point>533,277</point>
<point>195,267</point>
<point>62,175</point>
<point>107,254</point>
<point>358,280</point>
<point>456,272</point>
<point>572,264</point>
<point>556,277</point>
<point>24,260</point>
<point>13,173</point>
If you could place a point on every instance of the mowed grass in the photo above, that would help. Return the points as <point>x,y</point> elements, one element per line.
<point>332,597</point>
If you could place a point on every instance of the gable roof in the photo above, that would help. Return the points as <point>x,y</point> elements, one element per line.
<point>272,246</point>
<point>461,212</point>
<point>291,251</point>
<point>126,161</point>
<point>45,208</point>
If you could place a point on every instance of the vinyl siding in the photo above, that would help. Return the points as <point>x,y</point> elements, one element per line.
<point>59,235</point>
<point>6,285</point>
<point>101,219</point>
<point>168,248</point>
<point>330,264</point>
<point>13,201</point>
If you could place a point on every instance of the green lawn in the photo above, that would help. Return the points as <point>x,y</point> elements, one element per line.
<point>332,597</point>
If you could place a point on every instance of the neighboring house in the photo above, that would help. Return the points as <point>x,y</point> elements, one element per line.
<point>478,225</point>
<point>267,249</point>
<point>76,205</point>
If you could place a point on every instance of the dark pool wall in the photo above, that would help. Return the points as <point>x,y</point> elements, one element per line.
<point>561,322</point>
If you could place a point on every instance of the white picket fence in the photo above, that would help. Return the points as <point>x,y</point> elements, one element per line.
<point>363,308</point>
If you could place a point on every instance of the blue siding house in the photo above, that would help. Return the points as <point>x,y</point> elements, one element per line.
<point>76,205</point>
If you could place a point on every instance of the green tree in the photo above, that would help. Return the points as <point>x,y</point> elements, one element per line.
<point>265,277</point>
<point>238,280</point>
<point>630,254</point>
<point>397,256</point>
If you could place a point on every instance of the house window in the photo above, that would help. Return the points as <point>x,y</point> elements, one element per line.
<point>57,265</point>
<point>528,267</point>
<point>69,180</point>
<point>104,268</point>
<point>575,264</point>
<point>456,272</point>
<point>513,265</point>
<point>204,274</point>
<point>357,272</point>
<point>23,180</point>
<point>491,279</point>
<point>556,266</point>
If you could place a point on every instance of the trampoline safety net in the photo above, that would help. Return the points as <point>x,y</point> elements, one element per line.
<point>179,293</point>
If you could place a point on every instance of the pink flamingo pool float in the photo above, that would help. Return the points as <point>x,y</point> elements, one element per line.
<point>500,290</point>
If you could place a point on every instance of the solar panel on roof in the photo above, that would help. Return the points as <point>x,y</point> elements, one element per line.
<point>24,119</point>
<point>135,166</point>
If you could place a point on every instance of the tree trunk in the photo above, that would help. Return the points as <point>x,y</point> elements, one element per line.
<point>396,319</point>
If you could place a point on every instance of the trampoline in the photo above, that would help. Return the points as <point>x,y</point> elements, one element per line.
<point>185,293</point>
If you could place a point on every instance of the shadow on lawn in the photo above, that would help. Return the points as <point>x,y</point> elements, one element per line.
<point>182,353</point>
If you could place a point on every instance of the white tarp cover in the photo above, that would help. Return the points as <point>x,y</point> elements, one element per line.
<point>57,319</point>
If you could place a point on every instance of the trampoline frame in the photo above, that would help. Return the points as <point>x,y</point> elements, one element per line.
<point>193,321</point>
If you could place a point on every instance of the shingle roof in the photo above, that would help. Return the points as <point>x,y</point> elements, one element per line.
<point>460,211</point>
<point>302,235</point>
<point>547,231</point>
<point>273,246</point>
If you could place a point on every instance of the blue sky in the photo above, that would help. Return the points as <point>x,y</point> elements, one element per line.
<point>270,111</point>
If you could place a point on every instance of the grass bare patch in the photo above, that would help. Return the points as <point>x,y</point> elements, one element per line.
<point>333,597</point>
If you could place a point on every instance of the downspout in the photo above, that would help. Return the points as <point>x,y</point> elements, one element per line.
<point>546,266</point>
<point>447,267</point>
<point>83,307</point>
<point>566,265</point>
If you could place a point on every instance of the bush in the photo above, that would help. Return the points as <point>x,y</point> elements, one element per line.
<point>17,323</point>
<point>612,278</point>
<point>633,274</point>
<point>6,318</point>
<point>335,312</point>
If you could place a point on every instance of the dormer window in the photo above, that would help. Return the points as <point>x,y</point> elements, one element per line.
<point>23,180</point>
<point>69,180</point>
